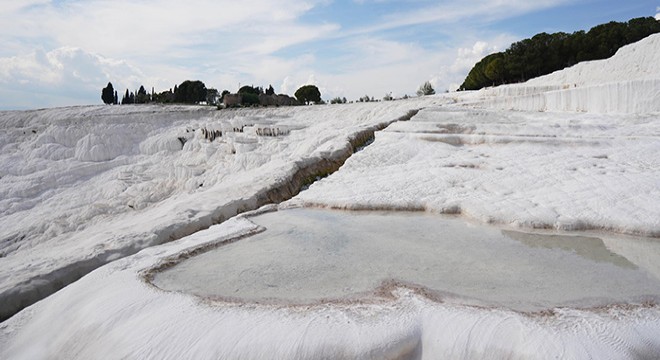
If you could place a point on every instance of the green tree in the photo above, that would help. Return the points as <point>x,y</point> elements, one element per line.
<point>495,70</point>
<point>190,92</point>
<point>247,89</point>
<point>545,53</point>
<point>308,94</point>
<point>108,94</point>
<point>124,98</point>
<point>141,97</point>
<point>249,95</point>
<point>164,97</point>
<point>212,96</point>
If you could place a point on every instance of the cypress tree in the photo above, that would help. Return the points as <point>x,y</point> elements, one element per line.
<point>107,94</point>
<point>125,100</point>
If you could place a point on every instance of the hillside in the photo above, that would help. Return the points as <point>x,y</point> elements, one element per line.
<point>545,53</point>
<point>628,82</point>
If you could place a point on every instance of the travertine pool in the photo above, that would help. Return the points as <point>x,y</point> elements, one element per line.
<point>311,255</point>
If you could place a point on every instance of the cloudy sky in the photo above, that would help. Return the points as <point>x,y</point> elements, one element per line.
<point>62,52</point>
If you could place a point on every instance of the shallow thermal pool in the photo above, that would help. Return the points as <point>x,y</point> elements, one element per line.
<point>311,255</point>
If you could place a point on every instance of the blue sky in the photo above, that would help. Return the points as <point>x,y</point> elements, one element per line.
<point>59,53</point>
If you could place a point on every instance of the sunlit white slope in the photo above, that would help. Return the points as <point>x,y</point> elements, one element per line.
<point>527,170</point>
<point>628,82</point>
<point>557,170</point>
<point>636,61</point>
<point>85,185</point>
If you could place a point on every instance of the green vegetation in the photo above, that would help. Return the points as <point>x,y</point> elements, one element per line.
<point>109,95</point>
<point>425,89</point>
<point>545,53</point>
<point>247,89</point>
<point>190,92</point>
<point>195,92</point>
<point>307,94</point>
<point>338,100</point>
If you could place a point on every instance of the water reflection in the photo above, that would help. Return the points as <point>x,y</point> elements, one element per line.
<point>590,248</point>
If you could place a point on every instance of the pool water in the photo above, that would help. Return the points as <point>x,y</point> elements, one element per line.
<point>312,255</point>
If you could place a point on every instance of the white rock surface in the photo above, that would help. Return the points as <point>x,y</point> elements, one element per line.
<point>628,82</point>
<point>93,184</point>
<point>522,170</point>
<point>112,313</point>
<point>82,186</point>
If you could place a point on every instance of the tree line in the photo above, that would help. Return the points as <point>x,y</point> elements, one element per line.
<point>195,92</point>
<point>545,53</point>
<point>188,92</point>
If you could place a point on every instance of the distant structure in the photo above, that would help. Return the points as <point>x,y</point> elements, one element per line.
<point>277,100</point>
<point>231,100</point>
<point>234,100</point>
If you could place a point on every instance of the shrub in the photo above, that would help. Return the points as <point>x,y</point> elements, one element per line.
<point>425,89</point>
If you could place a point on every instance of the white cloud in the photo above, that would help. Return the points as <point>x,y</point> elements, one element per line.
<point>123,28</point>
<point>292,83</point>
<point>221,42</point>
<point>282,37</point>
<point>378,66</point>
<point>311,80</point>
<point>370,65</point>
<point>352,72</point>
<point>61,76</point>
<point>288,86</point>
<point>657,16</point>
<point>458,12</point>
<point>467,57</point>
<point>7,7</point>
<point>226,42</point>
